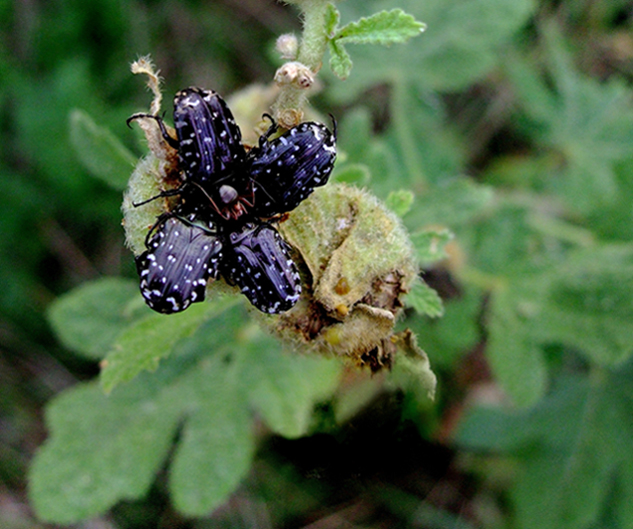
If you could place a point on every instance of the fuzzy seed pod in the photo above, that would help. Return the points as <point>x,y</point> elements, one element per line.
<point>357,262</point>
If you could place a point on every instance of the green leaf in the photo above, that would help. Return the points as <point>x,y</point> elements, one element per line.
<point>400,201</point>
<point>89,318</point>
<point>142,345</point>
<point>340,61</point>
<point>332,17</point>
<point>106,448</point>
<point>352,173</point>
<point>100,450</point>
<point>453,203</point>
<point>286,387</point>
<point>587,122</point>
<point>100,151</point>
<point>570,449</point>
<point>464,40</point>
<point>385,27</point>
<point>425,300</point>
<point>588,303</point>
<point>430,244</point>
<point>515,358</point>
<point>217,442</point>
<point>214,456</point>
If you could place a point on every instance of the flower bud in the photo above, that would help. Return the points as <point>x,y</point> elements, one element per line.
<point>357,262</point>
<point>287,45</point>
<point>296,74</point>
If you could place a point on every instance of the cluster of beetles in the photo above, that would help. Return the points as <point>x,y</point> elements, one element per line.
<point>230,199</point>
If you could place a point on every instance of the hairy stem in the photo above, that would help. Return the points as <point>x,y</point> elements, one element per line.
<point>288,108</point>
<point>314,38</point>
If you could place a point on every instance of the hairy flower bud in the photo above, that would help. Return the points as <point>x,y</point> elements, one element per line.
<point>287,45</point>
<point>296,74</point>
<point>357,262</point>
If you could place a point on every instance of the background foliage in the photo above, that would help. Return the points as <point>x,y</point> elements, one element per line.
<point>512,123</point>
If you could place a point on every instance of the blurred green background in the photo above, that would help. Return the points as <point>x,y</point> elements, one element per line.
<point>510,120</point>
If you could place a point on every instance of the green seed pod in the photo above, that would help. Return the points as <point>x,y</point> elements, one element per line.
<point>144,183</point>
<point>357,262</point>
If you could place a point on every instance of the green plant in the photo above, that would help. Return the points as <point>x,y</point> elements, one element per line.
<point>533,101</point>
<point>211,368</point>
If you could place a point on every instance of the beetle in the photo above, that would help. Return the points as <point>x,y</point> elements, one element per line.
<point>210,153</point>
<point>258,260</point>
<point>182,256</point>
<point>286,169</point>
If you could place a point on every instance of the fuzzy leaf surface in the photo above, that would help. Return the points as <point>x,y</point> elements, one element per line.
<point>106,448</point>
<point>332,17</point>
<point>385,27</point>
<point>142,345</point>
<point>217,443</point>
<point>286,387</point>
<point>425,300</point>
<point>100,450</point>
<point>340,61</point>
<point>89,318</point>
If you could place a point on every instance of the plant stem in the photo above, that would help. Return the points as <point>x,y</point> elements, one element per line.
<point>314,39</point>
<point>288,108</point>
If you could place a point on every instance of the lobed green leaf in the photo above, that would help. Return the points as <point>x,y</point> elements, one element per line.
<point>106,448</point>
<point>425,300</point>
<point>385,27</point>
<point>101,450</point>
<point>340,61</point>
<point>286,387</point>
<point>217,442</point>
